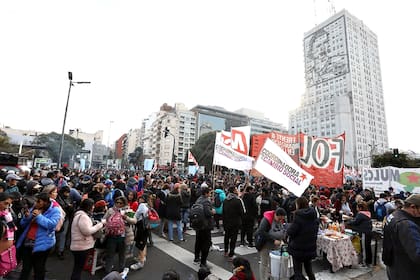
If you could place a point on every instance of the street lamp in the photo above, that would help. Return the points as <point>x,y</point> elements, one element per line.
<point>71,83</point>
<point>166,132</point>
<point>108,150</point>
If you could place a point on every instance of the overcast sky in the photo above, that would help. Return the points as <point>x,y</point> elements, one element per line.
<point>141,54</point>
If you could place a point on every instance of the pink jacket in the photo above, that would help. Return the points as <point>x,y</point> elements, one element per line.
<point>82,229</point>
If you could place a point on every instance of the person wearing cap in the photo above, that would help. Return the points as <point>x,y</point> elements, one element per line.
<point>11,181</point>
<point>401,244</point>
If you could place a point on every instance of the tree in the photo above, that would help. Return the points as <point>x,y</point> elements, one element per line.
<point>203,150</point>
<point>5,145</point>
<point>71,146</point>
<point>136,158</point>
<point>389,159</point>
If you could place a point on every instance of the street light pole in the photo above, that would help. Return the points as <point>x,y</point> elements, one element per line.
<point>108,150</point>
<point>166,131</point>
<point>71,83</point>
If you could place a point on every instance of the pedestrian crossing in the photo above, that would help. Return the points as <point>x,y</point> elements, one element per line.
<point>218,243</point>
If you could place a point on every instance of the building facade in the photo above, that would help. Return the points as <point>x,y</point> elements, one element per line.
<point>343,88</point>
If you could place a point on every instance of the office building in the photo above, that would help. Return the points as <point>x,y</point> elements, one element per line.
<point>343,88</point>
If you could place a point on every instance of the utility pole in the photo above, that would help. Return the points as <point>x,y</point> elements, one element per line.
<point>71,83</point>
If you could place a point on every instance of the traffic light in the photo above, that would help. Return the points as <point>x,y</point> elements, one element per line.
<point>166,131</point>
<point>395,152</point>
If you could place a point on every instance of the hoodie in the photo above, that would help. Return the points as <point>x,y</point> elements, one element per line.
<point>233,212</point>
<point>303,232</point>
<point>362,223</point>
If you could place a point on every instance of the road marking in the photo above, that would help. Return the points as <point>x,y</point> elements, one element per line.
<point>186,257</point>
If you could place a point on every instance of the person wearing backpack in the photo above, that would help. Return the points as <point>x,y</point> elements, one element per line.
<point>115,230</point>
<point>401,243</point>
<point>219,197</point>
<point>203,234</point>
<point>382,207</point>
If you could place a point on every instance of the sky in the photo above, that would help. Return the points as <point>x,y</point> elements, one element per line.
<point>139,55</point>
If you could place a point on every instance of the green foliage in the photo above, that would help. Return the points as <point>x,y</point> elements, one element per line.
<point>5,145</point>
<point>136,158</point>
<point>203,150</point>
<point>71,146</point>
<point>388,159</point>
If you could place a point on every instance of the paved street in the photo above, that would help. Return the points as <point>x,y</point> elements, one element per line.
<point>179,256</point>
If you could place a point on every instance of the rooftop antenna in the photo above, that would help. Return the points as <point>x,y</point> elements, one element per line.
<point>332,7</point>
<point>315,17</point>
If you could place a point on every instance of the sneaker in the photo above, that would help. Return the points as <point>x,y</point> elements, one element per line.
<point>251,246</point>
<point>242,244</point>
<point>163,235</point>
<point>136,266</point>
<point>124,273</point>
<point>196,261</point>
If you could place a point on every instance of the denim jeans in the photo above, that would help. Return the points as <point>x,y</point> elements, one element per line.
<point>62,236</point>
<point>185,215</point>
<point>171,229</point>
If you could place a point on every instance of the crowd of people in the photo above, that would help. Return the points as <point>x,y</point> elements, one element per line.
<point>54,210</point>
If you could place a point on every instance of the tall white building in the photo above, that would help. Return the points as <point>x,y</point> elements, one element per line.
<point>343,88</point>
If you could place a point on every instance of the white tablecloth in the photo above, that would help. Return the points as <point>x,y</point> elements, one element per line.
<point>340,252</point>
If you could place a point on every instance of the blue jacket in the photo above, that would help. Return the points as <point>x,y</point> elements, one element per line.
<point>45,234</point>
<point>222,194</point>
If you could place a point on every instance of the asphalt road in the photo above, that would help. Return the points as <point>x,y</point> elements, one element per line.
<point>166,255</point>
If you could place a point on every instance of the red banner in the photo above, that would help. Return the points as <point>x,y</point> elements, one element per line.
<point>289,143</point>
<point>323,158</point>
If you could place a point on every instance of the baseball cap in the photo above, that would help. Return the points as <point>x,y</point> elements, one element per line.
<point>108,182</point>
<point>12,176</point>
<point>413,199</point>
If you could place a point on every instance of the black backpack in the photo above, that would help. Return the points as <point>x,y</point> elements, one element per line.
<point>197,217</point>
<point>217,200</point>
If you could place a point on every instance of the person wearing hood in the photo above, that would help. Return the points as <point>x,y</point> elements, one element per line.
<point>173,213</point>
<point>272,226</point>
<point>219,210</point>
<point>233,212</point>
<point>303,232</point>
<point>362,224</point>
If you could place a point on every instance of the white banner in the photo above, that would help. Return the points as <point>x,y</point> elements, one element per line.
<point>148,164</point>
<point>401,179</point>
<point>278,166</point>
<point>226,156</point>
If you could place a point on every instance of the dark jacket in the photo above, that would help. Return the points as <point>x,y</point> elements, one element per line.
<point>303,232</point>
<point>186,199</point>
<point>233,211</point>
<point>251,208</point>
<point>362,223</point>
<point>205,201</point>
<point>173,207</point>
<point>402,233</point>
